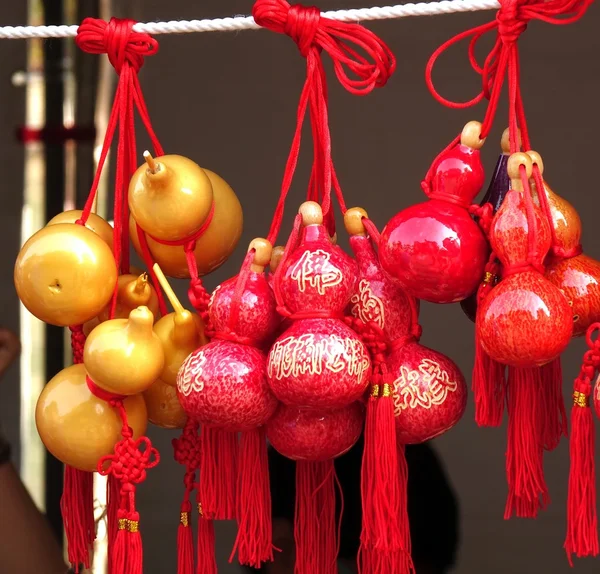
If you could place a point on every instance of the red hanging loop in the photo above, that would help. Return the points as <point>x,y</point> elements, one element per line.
<point>359,74</point>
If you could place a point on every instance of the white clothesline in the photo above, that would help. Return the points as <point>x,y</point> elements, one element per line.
<point>237,23</point>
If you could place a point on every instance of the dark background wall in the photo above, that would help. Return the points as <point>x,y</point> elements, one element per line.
<point>228,101</point>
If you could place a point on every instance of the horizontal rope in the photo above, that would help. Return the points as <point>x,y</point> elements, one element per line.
<point>238,23</point>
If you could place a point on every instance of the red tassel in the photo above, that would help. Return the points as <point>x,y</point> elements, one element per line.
<point>489,388</point>
<point>77,509</point>
<point>366,556</point>
<point>185,541</point>
<point>218,471</point>
<point>133,556</point>
<point>119,546</point>
<point>527,490</point>
<point>113,497</point>
<point>405,563</point>
<point>254,542</point>
<point>553,413</point>
<point>582,518</point>
<point>206,562</point>
<point>315,530</point>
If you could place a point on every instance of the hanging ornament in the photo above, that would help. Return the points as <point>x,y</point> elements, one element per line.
<point>181,208</point>
<point>78,427</point>
<point>383,312</point>
<point>582,515</point>
<point>434,249</point>
<point>223,385</point>
<point>65,274</point>
<point>164,408</point>
<point>573,272</point>
<point>318,362</point>
<point>511,328</point>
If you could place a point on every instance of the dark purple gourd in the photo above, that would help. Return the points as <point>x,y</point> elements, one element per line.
<point>495,194</point>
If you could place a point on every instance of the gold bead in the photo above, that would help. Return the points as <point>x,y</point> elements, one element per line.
<point>386,391</point>
<point>65,274</point>
<point>77,427</point>
<point>581,399</point>
<point>133,526</point>
<point>184,518</point>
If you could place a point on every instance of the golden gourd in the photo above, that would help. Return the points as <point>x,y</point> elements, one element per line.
<point>164,408</point>
<point>213,247</point>
<point>77,427</point>
<point>180,333</point>
<point>65,274</point>
<point>94,223</point>
<point>124,356</point>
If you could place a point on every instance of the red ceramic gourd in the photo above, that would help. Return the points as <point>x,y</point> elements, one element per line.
<point>573,272</point>
<point>435,250</point>
<point>430,392</point>
<point>376,298</point>
<point>525,321</point>
<point>224,384</point>
<point>258,317</point>
<point>315,435</point>
<point>318,362</point>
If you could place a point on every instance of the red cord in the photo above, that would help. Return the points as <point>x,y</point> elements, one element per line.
<point>511,21</point>
<point>358,74</point>
<point>126,50</point>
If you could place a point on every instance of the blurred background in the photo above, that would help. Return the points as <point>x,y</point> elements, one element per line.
<point>228,101</point>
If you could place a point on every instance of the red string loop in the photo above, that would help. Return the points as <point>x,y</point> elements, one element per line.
<point>117,40</point>
<point>510,22</point>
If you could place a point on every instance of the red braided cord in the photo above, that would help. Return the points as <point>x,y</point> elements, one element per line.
<point>314,34</point>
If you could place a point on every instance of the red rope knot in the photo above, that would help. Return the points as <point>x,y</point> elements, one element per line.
<point>77,343</point>
<point>301,25</point>
<point>233,337</point>
<point>117,39</point>
<point>414,335</point>
<point>484,215</point>
<point>130,461</point>
<point>523,267</point>
<point>512,21</point>
<point>310,30</point>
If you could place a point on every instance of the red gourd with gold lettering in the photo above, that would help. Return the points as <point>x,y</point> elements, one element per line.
<point>435,250</point>
<point>319,362</point>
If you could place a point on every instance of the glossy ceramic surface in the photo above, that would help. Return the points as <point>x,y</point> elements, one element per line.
<point>579,279</point>
<point>65,274</point>
<point>303,434</point>
<point>258,318</point>
<point>94,222</point>
<point>134,291</point>
<point>124,356</point>
<point>318,276</point>
<point>318,363</point>
<point>435,250</point>
<point>214,246</point>
<point>180,335</point>
<point>377,298</point>
<point>509,232</point>
<point>172,201</point>
<point>525,321</point>
<point>224,385</point>
<point>164,408</point>
<point>566,221</point>
<point>77,427</point>
<point>430,393</point>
